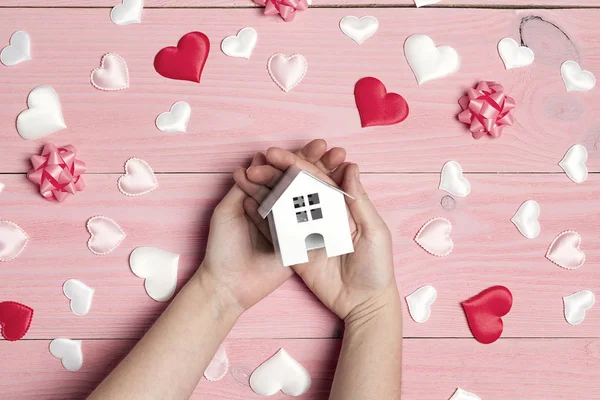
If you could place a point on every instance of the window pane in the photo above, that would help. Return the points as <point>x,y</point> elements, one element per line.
<point>301,216</point>
<point>313,199</point>
<point>316,213</point>
<point>298,201</point>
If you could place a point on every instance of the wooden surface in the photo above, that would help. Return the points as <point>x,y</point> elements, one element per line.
<point>237,110</point>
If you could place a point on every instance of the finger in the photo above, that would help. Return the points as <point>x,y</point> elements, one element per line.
<point>313,151</point>
<point>265,175</point>
<point>338,175</point>
<point>256,191</point>
<point>233,200</point>
<point>283,159</point>
<point>251,208</point>
<point>361,207</point>
<point>331,159</point>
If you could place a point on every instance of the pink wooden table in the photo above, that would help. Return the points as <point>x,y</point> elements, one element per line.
<point>237,110</point>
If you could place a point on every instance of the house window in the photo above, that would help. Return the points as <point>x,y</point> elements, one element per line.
<point>303,211</point>
<point>301,216</point>
<point>299,202</point>
<point>313,199</point>
<point>316,213</point>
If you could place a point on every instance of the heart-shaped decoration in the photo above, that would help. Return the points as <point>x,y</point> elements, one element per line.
<point>420,302</point>
<point>129,12</point>
<point>105,235</point>
<point>376,106</point>
<point>573,163</point>
<point>577,304</point>
<point>461,394</point>
<point>421,3</point>
<point>112,74</point>
<point>139,178</point>
<point>280,372</point>
<point>159,269</point>
<point>565,251</point>
<point>434,237</point>
<point>44,115</point>
<point>485,311</point>
<point>80,295</point>
<point>13,240</point>
<point>429,62</point>
<point>15,319</point>
<point>359,29</point>
<point>513,55</point>
<point>175,120</point>
<point>218,366</point>
<point>69,352</point>
<point>18,49</point>
<point>186,61</point>
<point>577,80</point>
<point>240,45</point>
<point>287,71</point>
<point>526,219</point>
<point>2,186</point>
<point>453,181</point>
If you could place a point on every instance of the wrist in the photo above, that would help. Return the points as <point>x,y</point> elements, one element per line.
<point>223,303</point>
<point>384,309</point>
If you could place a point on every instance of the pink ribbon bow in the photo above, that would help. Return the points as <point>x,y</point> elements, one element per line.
<point>58,172</point>
<point>286,8</point>
<point>487,110</point>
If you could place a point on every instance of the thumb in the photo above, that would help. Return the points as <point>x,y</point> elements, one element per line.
<point>363,211</point>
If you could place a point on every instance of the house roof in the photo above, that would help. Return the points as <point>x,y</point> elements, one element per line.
<point>290,175</point>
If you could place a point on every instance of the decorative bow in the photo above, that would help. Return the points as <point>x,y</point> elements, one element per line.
<point>58,172</point>
<point>286,8</point>
<point>487,110</point>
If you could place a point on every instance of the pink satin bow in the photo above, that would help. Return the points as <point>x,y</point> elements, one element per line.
<point>286,8</point>
<point>58,172</point>
<point>487,110</point>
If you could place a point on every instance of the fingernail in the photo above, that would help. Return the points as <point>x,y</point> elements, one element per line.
<point>254,159</point>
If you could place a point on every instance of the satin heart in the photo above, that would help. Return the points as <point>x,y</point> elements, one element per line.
<point>175,120</point>
<point>112,74</point>
<point>420,302</point>
<point>287,71</point>
<point>240,45</point>
<point>577,304</point>
<point>186,61</point>
<point>565,251</point>
<point>421,3</point>
<point>485,311</point>
<point>130,12</point>
<point>80,295</point>
<point>69,352</point>
<point>429,62</point>
<point>218,366</point>
<point>105,235</point>
<point>159,269</point>
<point>573,163</point>
<point>44,115</point>
<point>13,240</point>
<point>434,237</point>
<point>139,178</point>
<point>18,49</point>
<point>2,186</point>
<point>576,80</point>
<point>15,320</point>
<point>513,55</point>
<point>280,372</point>
<point>453,181</point>
<point>359,29</point>
<point>526,219</point>
<point>461,394</point>
<point>376,106</point>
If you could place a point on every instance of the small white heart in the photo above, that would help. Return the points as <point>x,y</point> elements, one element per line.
<point>80,295</point>
<point>69,352</point>
<point>287,71</point>
<point>105,235</point>
<point>526,219</point>
<point>429,62</point>
<point>573,163</point>
<point>18,49</point>
<point>577,80</point>
<point>434,237</point>
<point>513,55</point>
<point>577,304</point>
<point>218,366</point>
<point>159,269</point>
<point>453,181</point>
<point>565,251</point>
<point>175,120</point>
<point>13,240</point>
<point>421,3</point>
<point>420,302</point>
<point>129,12</point>
<point>240,45</point>
<point>44,115</point>
<point>2,186</point>
<point>359,29</point>
<point>461,394</point>
<point>280,372</point>
<point>138,179</point>
<point>112,74</point>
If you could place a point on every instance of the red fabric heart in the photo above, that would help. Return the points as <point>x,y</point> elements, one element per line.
<point>485,311</point>
<point>186,61</point>
<point>15,319</point>
<point>376,106</point>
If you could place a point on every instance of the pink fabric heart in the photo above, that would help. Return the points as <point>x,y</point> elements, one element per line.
<point>105,235</point>
<point>139,178</point>
<point>287,71</point>
<point>13,240</point>
<point>434,237</point>
<point>565,251</point>
<point>112,74</point>
<point>218,366</point>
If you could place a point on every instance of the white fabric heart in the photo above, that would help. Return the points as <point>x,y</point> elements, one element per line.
<point>159,269</point>
<point>576,80</point>
<point>577,304</point>
<point>420,302</point>
<point>427,61</point>
<point>175,120</point>
<point>565,251</point>
<point>69,352</point>
<point>18,49</point>
<point>2,186</point>
<point>130,12</point>
<point>526,219</point>
<point>13,240</point>
<point>461,394</point>
<point>139,178</point>
<point>105,235</point>
<point>434,237</point>
<point>112,74</point>
<point>240,45</point>
<point>80,295</point>
<point>280,372</point>
<point>218,366</point>
<point>287,71</point>
<point>513,55</point>
<point>453,181</point>
<point>359,29</point>
<point>44,115</point>
<point>421,3</point>
<point>573,163</point>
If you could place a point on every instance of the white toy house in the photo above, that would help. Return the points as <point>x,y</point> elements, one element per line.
<point>306,213</point>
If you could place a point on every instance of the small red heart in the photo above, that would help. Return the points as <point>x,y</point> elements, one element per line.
<point>15,319</point>
<point>376,106</point>
<point>186,61</point>
<point>485,311</point>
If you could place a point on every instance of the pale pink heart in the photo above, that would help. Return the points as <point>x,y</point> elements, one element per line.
<point>434,237</point>
<point>13,240</point>
<point>565,251</point>
<point>287,71</point>
<point>112,74</point>
<point>218,366</point>
<point>139,178</point>
<point>105,235</point>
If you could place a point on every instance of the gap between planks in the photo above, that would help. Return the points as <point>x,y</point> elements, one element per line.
<point>458,6</point>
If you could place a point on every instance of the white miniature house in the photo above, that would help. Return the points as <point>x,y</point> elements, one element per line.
<point>305,213</point>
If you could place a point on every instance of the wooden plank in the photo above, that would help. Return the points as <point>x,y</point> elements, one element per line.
<point>488,251</point>
<point>237,110</point>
